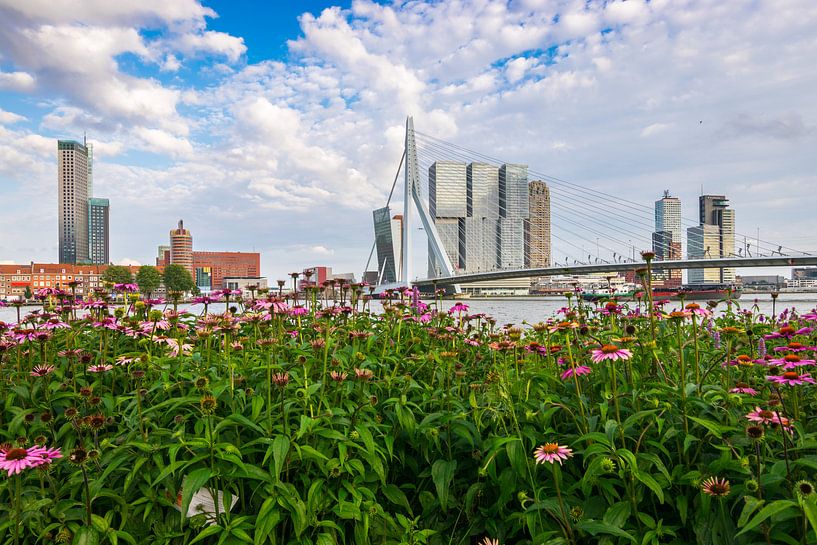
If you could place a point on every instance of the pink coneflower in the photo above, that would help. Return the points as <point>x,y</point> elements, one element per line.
<point>791,378</point>
<point>126,287</point>
<point>298,311</point>
<point>743,388</point>
<point>790,361</point>
<point>578,371</point>
<point>696,309</point>
<point>610,352</point>
<point>363,374</point>
<point>489,541</point>
<point>337,376</point>
<point>41,370</point>
<point>280,379</point>
<point>100,368</point>
<point>15,460</point>
<point>765,416</point>
<point>551,452</point>
<point>715,487</point>
<point>795,347</point>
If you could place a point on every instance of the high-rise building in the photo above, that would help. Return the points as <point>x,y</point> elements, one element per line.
<point>388,233</point>
<point>666,239</point>
<point>514,210</point>
<point>714,210</point>
<point>667,218</point>
<point>703,242</point>
<point>482,221</point>
<point>98,225</point>
<point>90,148</point>
<point>448,207</point>
<point>72,201</point>
<point>181,248</point>
<point>537,232</point>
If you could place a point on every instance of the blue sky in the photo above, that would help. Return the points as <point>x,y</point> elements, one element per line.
<point>277,126</point>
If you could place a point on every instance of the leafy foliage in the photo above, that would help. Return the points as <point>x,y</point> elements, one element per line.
<point>149,279</point>
<point>177,278</point>
<point>337,425</point>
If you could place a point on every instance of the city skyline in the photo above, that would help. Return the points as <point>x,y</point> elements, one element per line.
<point>289,134</point>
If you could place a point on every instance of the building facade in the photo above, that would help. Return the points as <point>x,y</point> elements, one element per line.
<point>72,201</point>
<point>666,239</point>
<point>98,228</point>
<point>388,236</point>
<point>16,279</point>
<point>667,219</point>
<point>714,210</point>
<point>514,210</point>
<point>215,266</point>
<point>482,221</point>
<point>703,242</point>
<point>181,248</point>
<point>537,232</point>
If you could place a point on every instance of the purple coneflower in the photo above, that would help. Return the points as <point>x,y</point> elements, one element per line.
<point>337,376</point>
<point>551,452</point>
<point>610,352</point>
<point>489,541</point>
<point>715,487</point>
<point>765,416</point>
<point>743,388</point>
<point>578,371</point>
<point>41,370</point>
<point>791,378</point>
<point>790,361</point>
<point>100,368</point>
<point>15,460</point>
<point>696,309</point>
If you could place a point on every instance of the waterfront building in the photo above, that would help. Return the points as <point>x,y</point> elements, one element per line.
<point>72,201</point>
<point>388,235</point>
<point>15,279</point>
<point>514,210</point>
<point>448,207</point>
<point>181,248</point>
<point>482,222</point>
<point>703,242</point>
<point>537,232</point>
<point>211,268</point>
<point>666,239</point>
<point>714,210</point>
<point>98,229</point>
<point>243,283</point>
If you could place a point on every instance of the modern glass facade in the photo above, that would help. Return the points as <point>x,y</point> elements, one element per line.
<point>387,235</point>
<point>98,226</point>
<point>72,201</point>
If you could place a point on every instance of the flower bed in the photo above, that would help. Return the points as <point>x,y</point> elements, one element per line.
<point>322,423</point>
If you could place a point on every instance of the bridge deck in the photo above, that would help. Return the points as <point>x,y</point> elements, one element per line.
<point>773,261</point>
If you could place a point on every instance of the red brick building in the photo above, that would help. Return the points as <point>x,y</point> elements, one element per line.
<point>14,279</point>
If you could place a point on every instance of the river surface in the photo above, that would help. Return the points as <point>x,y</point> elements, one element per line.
<point>527,309</point>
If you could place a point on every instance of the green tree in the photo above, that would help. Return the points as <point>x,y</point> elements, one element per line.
<point>117,274</point>
<point>27,294</point>
<point>149,279</point>
<point>177,278</point>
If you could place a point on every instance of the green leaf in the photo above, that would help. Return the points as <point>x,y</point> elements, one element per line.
<point>618,514</point>
<point>86,535</point>
<point>280,448</point>
<point>651,483</point>
<point>396,496</point>
<point>594,527</point>
<point>810,509</point>
<point>751,505</point>
<point>207,532</point>
<point>192,484</point>
<point>768,511</point>
<point>442,472</point>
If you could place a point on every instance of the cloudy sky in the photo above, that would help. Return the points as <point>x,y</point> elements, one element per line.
<point>278,129</point>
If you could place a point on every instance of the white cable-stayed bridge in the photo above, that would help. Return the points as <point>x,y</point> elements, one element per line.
<point>484,220</point>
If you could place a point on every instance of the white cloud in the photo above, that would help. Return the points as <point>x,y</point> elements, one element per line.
<point>299,150</point>
<point>17,81</point>
<point>8,118</point>
<point>655,128</point>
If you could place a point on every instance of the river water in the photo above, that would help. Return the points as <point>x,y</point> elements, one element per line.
<point>528,309</point>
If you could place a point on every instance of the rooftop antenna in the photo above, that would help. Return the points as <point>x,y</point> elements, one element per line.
<point>85,138</point>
